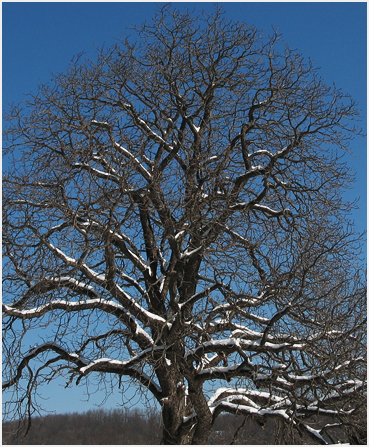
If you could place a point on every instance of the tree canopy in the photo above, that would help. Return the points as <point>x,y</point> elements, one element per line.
<point>173,216</point>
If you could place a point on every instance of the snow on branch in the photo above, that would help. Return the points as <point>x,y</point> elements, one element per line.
<point>52,283</point>
<point>36,350</point>
<point>141,169</point>
<point>69,306</point>
<point>74,306</point>
<point>143,125</point>
<point>97,172</point>
<point>240,401</point>
<point>264,209</point>
<point>233,345</point>
<point>258,396</point>
<point>84,366</point>
<point>100,279</point>
<point>187,253</point>
<point>227,372</point>
<point>199,295</point>
<point>102,124</point>
<point>121,241</point>
<point>109,365</point>
<point>141,312</point>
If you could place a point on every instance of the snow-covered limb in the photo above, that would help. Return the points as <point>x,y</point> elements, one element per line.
<point>97,172</point>
<point>107,364</point>
<point>241,401</point>
<point>243,301</point>
<point>140,311</point>
<point>100,279</point>
<point>35,351</point>
<point>141,123</point>
<point>179,234</point>
<point>288,381</point>
<point>243,331</point>
<point>188,253</point>
<point>270,211</point>
<point>242,304</point>
<point>103,124</point>
<point>141,169</point>
<point>300,379</point>
<point>69,306</point>
<point>253,409</point>
<point>72,282</point>
<point>268,404</point>
<point>232,345</point>
<point>84,366</point>
<point>98,158</point>
<point>51,283</point>
<point>261,152</point>
<point>227,372</point>
<point>263,208</point>
<point>315,433</point>
<point>132,282</point>
<point>284,151</point>
<point>256,396</point>
<point>241,396</point>
<point>121,240</point>
<point>237,237</point>
<point>327,334</point>
<point>199,295</point>
<point>341,391</point>
<point>73,306</point>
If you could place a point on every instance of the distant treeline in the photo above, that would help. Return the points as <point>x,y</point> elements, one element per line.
<point>98,426</point>
<point>122,426</point>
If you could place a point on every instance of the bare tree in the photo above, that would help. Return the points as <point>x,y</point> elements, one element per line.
<point>173,216</point>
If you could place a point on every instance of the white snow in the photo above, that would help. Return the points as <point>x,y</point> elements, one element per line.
<point>179,234</point>
<point>91,365</point>
<point>131,361</point>
<point>98,303</point>
<point>146,174</point>
<point>99,173</point>
<point>213,158</point>
<point>134,304</point>
<point>102,123</point>
<point>61,254</point>
<point>265,209</point>
<point>315,433</point>
<point>68,279</point>
<point>190,253</point>
<point>261,152</point>
<point>219,369</point>
<point>244,344</point>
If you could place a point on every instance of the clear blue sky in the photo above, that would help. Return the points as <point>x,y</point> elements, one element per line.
<point>41,38</point>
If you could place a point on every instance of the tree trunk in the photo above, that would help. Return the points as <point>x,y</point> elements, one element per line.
<point>173,404</point>
<point>181,402</point>
<point>172,423</point>
<point>203,415</point>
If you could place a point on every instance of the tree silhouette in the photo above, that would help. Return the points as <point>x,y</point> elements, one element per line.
<point>173,217</point>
